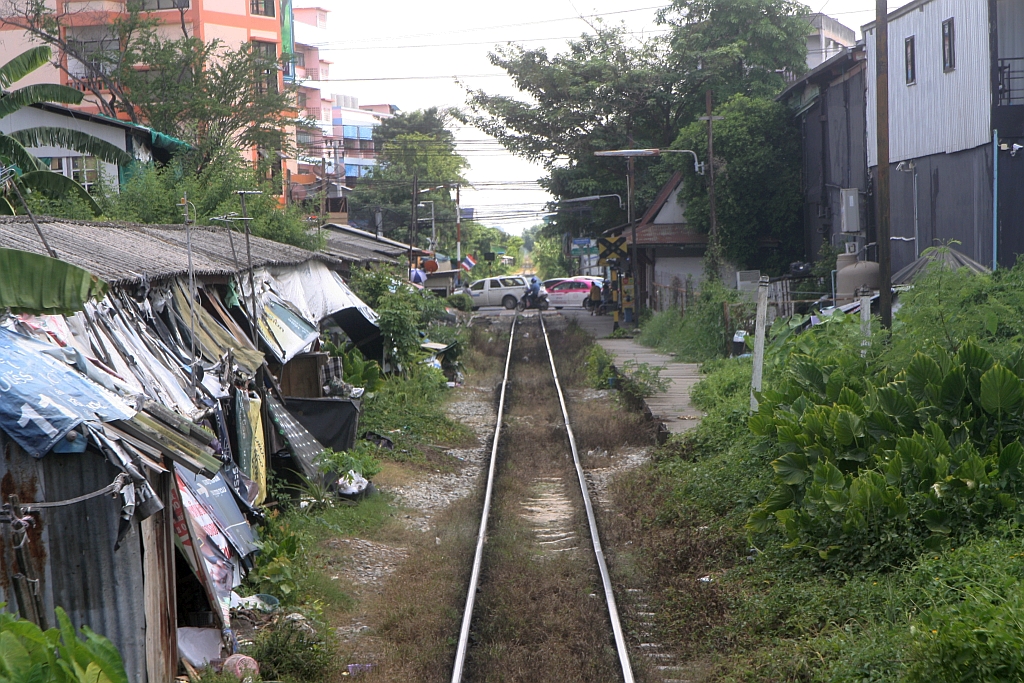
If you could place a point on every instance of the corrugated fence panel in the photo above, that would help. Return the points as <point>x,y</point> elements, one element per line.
<point>943,111</point>
<point>97,586</point>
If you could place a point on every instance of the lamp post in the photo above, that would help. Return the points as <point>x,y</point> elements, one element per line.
<point>631,155</point>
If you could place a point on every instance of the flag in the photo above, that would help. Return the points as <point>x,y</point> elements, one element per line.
<point>468,262</point>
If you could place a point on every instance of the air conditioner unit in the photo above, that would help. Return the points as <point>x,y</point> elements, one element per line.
<point>849,211</point>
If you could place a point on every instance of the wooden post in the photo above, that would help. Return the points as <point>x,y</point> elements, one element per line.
<point>865,320</point>
<point>728,327</point>
<point>159,581</point>
<point>759,330</point>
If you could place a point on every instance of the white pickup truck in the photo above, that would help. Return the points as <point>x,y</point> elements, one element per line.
<point>504,290</point>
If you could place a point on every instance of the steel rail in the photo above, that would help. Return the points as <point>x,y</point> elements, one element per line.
<point>609,595</point>
<point>474,579</point>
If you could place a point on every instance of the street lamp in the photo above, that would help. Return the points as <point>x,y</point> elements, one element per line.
<point>433,225</point>
<point>631,155</point>
<point>592,198</point>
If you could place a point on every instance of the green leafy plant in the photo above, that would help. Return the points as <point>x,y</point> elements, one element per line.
<point>871,470</point>
<point>636,381</point>
<point>362,459</point>
<point>293,650</point>
<point>275,571</point>
<point>59,655</point>
<point>600,368</point>
<point>462,302</point>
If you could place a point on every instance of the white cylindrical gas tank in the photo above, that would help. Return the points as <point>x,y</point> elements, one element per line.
<point>844,260</point>
<point>860,275</point>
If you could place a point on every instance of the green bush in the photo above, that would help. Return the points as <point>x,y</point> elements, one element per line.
<point>461,302</point>
<point>291,650</point>
<point>870,472</point>
<point>724,380</point>
<point>697,336</point>
<point>637,381</point>
<point>599,366</point>
<point>970,629</point>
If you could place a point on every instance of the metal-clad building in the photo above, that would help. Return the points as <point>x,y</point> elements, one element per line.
<point>72,550</point>
<point>956,99</point>
<point>933,108</point>
<point>829,105</point>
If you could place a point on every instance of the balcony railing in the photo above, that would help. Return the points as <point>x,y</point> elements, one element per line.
<point>1010,85</point>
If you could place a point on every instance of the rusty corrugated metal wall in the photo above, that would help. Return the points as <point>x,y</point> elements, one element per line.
<point>73,548</point>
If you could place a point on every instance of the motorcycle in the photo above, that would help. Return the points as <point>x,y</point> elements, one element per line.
<point>527,301</point>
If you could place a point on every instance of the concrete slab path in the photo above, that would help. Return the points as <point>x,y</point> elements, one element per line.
<point>672,407</point>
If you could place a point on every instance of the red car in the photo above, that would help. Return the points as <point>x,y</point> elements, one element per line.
<point>571,293</point>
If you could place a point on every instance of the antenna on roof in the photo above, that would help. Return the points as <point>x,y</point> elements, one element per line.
<point>7,175</point>
<point>192,294</point>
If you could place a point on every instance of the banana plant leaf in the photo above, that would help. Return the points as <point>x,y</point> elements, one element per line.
<point>32,283</point>
<point>55,186</point>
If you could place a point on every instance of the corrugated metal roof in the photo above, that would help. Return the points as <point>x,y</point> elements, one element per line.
<point>123,253</point>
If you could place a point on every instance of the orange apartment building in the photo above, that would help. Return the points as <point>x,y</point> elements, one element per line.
<point>87,22</point>
<point>265,23</point>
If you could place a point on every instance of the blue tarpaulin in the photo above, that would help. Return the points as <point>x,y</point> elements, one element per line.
<point>42,399</point>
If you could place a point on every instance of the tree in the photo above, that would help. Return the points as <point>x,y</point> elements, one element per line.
<point>757,182</point>
<point>34,174</point>
<point>612,91</point>
<point>217,99</point>
<point>409,156</point>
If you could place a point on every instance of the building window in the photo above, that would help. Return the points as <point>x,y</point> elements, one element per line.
<point>84,170</point>
<point>150,5</point>
<point>948,45</point>
<point>268,81</point>
<point>300,100</point>
<point>304,137</point>
<point>299,59</point>
<point>909,53</point>
<point>264,8</point>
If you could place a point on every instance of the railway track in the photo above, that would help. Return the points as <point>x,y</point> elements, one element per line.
<point>537,510</point>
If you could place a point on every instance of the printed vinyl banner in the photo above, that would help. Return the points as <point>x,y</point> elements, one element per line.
<point>42,399</point>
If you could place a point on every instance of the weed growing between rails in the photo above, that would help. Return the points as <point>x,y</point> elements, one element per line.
<point>539,613</point>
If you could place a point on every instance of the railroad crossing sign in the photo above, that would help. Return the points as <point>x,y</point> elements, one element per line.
<point>610,248</point>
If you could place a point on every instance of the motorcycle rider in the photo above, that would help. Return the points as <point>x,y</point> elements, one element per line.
<point>534,292</point>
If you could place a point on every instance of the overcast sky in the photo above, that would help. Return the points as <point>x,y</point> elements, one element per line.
<point>407,53</point>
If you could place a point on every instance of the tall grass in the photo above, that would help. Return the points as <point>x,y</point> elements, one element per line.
<point>697,336</point>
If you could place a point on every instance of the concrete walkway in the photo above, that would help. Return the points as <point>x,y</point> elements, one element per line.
<point>672,407</point>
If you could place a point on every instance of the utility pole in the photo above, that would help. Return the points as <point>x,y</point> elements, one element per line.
<point>713,246</point>
<point>323,189</point>
<point>415,217</point>
<point>248,254</point>
<point>630,191</point>
<point>458,233</point>
<point>882,180</point>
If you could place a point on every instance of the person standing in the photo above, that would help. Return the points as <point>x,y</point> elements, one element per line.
<point>595,297</point>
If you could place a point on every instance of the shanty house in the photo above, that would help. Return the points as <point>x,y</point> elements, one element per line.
<point>138,424</point>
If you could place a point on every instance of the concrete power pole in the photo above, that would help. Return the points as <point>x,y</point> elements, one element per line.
<point>882,179</point>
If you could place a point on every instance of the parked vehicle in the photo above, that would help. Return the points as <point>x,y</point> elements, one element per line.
<point>505,290</point>
<point>569,293</point>
<point>528,302</point>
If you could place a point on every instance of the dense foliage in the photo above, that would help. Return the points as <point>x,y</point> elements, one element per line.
<point>864,524</point>
<point>611,90</point>
<point>757,182</point>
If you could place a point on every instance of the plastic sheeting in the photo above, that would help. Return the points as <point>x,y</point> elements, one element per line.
<point>318,292</point>
<point>42,399</point>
